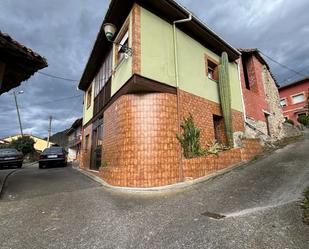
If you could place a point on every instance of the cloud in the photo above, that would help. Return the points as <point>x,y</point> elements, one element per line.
<point>64,32</point>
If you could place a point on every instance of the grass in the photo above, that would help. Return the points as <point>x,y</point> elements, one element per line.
<point>305,206</point>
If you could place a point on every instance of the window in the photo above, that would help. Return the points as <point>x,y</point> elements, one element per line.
<point>211,69</point>
<point>283,102</point>
<point>298,98</point>
<point>245,61</point>
<point>104,74</point>
<point>123,39</point>
<point>88,97</point>
<point>301,114</point>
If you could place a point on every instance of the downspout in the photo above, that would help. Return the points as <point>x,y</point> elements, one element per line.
<point>242,95</point>
<point>181,174</point>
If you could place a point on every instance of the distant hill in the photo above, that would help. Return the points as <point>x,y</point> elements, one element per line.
<point>60,138</point>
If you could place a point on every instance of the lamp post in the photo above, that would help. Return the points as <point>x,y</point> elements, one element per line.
<point>110,30</point>
<point>17,109</point>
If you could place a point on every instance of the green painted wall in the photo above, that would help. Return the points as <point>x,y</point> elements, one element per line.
<point>157,49</point>
<point>88,112</point>
<point>122,71</point>
<point>157,60</point>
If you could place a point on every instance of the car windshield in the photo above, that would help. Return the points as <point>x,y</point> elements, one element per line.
<point>7,151</point>
<point>53,150</point>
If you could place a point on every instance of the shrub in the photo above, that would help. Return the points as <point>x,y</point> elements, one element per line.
<point>304,120</point>
<point>215,147</point>
<point>24,144</point>
<point>289,121</point>
<point>190,139</point>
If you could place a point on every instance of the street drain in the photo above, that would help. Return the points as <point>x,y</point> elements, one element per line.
<point>214,215</point>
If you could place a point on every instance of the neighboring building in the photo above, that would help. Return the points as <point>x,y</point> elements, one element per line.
<point>135,102</point>
<point>17,63</point>
<point>60,139</point>
<point>3,142</point>
<point>264,118</point>
<point>74,135</point>
<point>293,99</point>
<point>40,143</point>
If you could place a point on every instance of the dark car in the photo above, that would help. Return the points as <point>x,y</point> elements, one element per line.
<point>11,157</point>
<point>53,156</point>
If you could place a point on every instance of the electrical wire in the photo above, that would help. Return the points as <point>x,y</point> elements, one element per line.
<point>282,65</point>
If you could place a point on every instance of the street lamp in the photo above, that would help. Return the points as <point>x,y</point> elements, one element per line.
<point>110,30</point>
<point>17,109</point>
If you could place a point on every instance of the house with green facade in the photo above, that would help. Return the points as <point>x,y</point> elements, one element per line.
<point>152,66</point>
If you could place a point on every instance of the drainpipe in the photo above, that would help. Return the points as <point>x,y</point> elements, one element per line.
<point>181,175</point>
<point>242,94</point>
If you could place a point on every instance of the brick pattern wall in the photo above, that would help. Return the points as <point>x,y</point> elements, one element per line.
<point>251,148</point>
<point>86,151</point>
<point>203,166</point>
<point>202,111</point>
<point>136,39</point>
<point>139,141</point>
<point>140,145</point>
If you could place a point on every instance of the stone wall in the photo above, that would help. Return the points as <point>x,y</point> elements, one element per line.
<point>273,100</point>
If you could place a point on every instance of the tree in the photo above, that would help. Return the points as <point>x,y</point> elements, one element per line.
<point>25,144</point>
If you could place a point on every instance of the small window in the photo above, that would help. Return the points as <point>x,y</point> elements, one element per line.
<point>88,100</point>
<point>245,62</point>
<point>298,98</point>
<point>212,70</point>
<point>124,41</point>
<point>283,102</point>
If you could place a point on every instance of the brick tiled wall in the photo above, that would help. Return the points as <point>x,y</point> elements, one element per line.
<point>136,39</point>
<point>139,141</point>
<point>203,166</point>
<point>140,145</point>
<point>203,111</point>
<point>85,152</point>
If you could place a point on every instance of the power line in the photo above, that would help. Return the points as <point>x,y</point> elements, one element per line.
<point>57,77</point>
<point>284,66</point>
<point>48,102</point>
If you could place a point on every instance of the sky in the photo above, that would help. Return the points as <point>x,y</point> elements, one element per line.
<point>64,32</point>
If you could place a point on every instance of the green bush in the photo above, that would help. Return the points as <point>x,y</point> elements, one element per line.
<point>304,120</point>
<point>190,139</point>
<point>289,121</point>
<point>24,144</point>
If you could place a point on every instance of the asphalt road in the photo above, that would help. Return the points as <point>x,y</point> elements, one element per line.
<point>61,208</point>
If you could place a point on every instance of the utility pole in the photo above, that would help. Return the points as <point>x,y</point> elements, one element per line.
<point>49,130</point>
<point>17,109</point>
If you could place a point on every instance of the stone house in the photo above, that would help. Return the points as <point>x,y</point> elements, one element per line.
<point>152,64</point>
<point>293,99</point>
<point>264,117</point>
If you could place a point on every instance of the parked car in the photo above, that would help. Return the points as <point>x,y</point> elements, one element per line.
<point>11,157</point>
<point>53,156</point>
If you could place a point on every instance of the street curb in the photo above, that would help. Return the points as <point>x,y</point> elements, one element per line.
<point>2,183</point>
<point>168,188</point>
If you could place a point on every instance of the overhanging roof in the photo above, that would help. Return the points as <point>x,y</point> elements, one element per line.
<point>20,62</point>
<point>168,10</point>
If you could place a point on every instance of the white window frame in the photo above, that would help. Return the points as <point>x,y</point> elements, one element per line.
<point>296,95</point>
